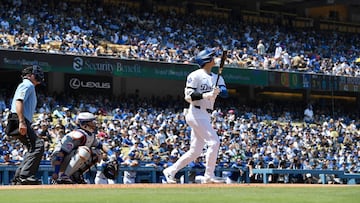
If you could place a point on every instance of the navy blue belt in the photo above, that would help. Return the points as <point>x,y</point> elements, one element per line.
<point>208,110</point>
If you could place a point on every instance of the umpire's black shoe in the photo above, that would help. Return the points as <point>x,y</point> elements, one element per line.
<point>31,180</point>
<point>15,181</point>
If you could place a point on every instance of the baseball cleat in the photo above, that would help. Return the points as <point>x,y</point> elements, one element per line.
<point>170,179</point>
<point>64,179</point>
<point>78,178</point>
<point>213,180</point>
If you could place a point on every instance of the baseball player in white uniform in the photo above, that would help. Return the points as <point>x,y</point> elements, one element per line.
<point>200,93</point>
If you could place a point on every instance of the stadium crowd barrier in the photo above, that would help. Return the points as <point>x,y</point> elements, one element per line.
<point>349,178</point>
<point>148,174</point>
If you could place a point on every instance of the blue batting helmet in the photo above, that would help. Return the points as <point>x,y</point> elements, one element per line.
<point>204,57</point>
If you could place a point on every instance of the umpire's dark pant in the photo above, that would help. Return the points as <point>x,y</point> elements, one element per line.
<point>35,150</point>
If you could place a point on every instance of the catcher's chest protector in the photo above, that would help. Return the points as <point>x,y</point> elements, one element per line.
<point>89,138</point>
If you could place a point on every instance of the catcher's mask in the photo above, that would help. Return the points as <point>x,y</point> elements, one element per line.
<point>87,121</point>
<point>36,70</point>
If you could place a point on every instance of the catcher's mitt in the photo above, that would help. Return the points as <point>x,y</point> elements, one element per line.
<point>111,170</point>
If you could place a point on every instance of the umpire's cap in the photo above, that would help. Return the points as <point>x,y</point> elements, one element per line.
<point>35,70</point>
<point>204,57</point>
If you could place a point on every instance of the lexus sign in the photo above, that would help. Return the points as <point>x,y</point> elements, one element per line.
<point>76,83</point>
<point>88,83</point>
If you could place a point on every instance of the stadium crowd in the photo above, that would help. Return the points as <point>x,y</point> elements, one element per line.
<point>123,31</point>
<point>154,132</point>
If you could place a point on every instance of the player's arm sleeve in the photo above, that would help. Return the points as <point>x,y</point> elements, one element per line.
<point>223,90</point>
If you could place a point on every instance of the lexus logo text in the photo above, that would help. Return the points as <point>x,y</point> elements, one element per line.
<point>76,83</point>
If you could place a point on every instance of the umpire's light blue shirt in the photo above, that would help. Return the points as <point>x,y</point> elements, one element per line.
<point>25,92</point>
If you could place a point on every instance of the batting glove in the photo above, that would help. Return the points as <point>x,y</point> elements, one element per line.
<point>212,94</point>
<point>216,91</point>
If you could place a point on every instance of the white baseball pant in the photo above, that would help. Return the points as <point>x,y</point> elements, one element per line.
<point>202,133</point>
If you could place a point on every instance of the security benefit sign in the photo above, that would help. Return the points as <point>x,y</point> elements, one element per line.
<point>87,83</point>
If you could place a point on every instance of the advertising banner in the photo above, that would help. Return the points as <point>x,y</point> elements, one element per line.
<point>95,65</point>
<point>245,76</point>
<point>348,84</point>
<point>108,66</point>
<point>87,83</point>
<point>111,66</point>
<point>287,80</point>
<point>322,82</point>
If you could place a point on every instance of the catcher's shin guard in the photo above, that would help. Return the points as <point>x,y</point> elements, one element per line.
<point>81,156</point>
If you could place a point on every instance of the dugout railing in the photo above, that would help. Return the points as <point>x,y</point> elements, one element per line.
<point>151,174</point>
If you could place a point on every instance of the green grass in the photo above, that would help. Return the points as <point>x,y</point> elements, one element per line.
<point>184,195</point>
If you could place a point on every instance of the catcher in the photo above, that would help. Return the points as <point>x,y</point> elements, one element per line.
<point>77,152</point>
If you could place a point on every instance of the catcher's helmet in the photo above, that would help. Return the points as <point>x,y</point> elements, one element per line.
<point>85,117</point>
<point>86,121</point>
<point>204,57</point>
<point>35,70</point>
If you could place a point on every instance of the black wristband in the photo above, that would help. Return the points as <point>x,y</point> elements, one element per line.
<point>196,96</point>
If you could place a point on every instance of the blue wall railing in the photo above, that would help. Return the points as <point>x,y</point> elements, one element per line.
<point>151,174</point>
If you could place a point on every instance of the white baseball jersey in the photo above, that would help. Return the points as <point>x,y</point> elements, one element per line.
<point>202,82</point>
<point>198,118</point>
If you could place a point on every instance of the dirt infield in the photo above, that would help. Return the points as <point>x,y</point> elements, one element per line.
<point>123,186</point>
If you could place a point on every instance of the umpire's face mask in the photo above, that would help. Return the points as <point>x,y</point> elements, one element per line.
<point>39,74</point>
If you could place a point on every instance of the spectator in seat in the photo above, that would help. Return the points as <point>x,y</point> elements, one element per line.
<point>309,114</point>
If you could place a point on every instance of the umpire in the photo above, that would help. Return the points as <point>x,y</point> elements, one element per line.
<point>23,107</point>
